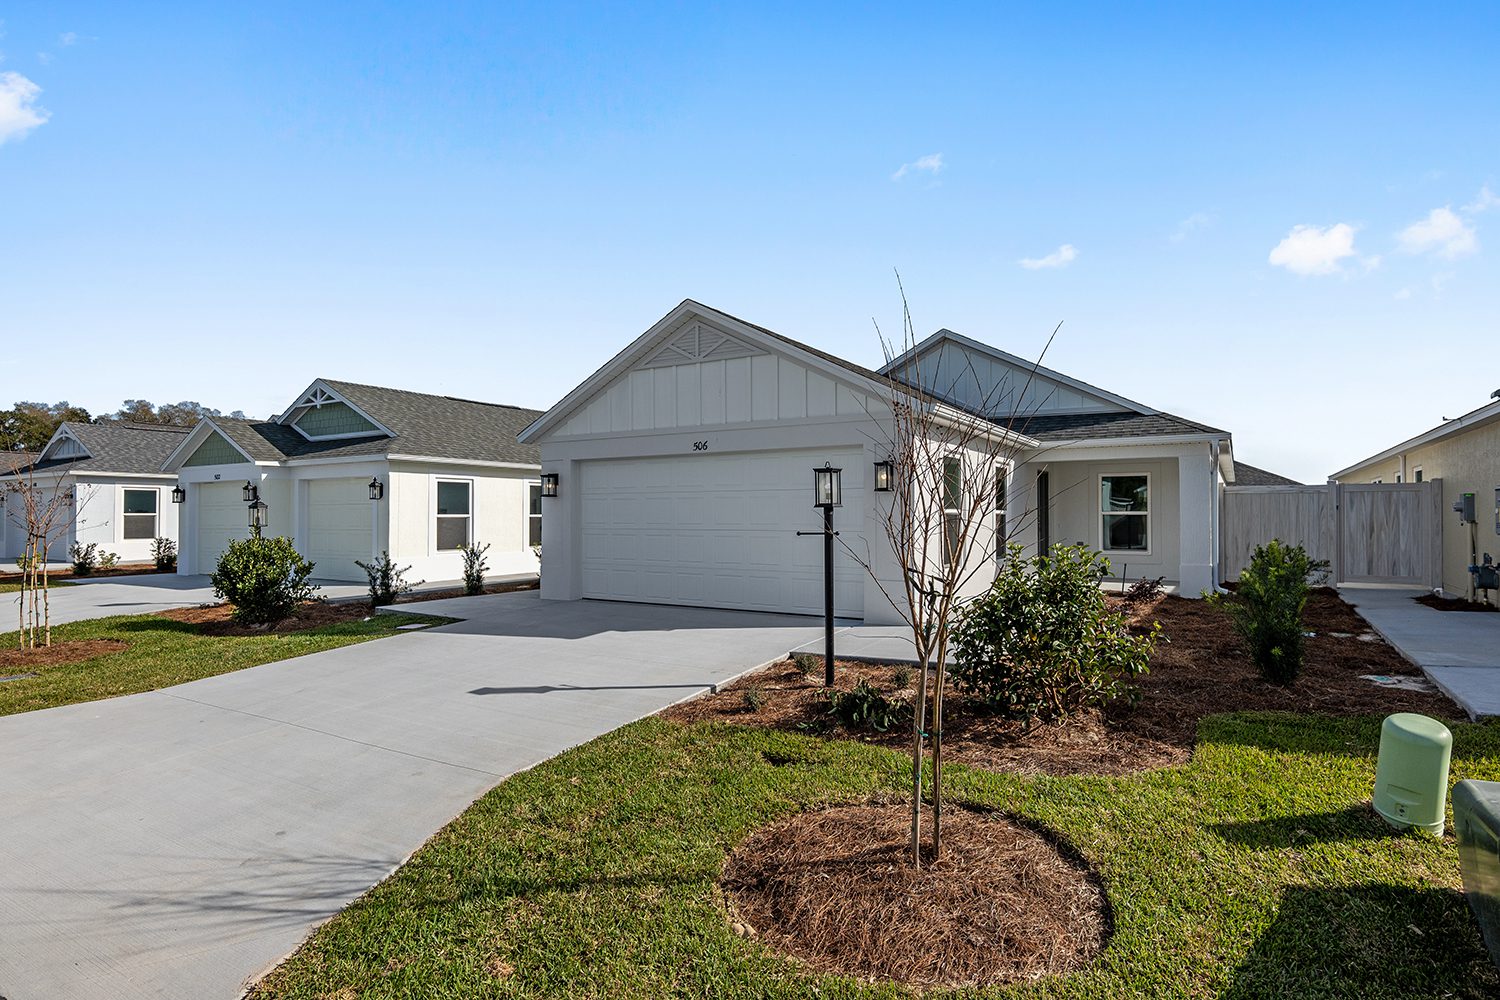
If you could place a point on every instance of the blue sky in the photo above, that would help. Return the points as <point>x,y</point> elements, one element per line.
<point>1281,222</point>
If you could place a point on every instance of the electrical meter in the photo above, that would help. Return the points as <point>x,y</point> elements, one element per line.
<point>1464,507</point>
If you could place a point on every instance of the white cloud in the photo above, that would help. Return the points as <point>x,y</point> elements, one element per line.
<point>1486,200</point>
<point>67,38</point>
<point>18,111</point>
<point>932,163</point>
<point>1403,295</point>
<point>1314,250</point>
<point>1190,225</point>
<point>1061,257</point>
<point>1442,232</point>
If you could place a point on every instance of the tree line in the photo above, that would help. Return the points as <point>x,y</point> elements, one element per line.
<point>28,426</point>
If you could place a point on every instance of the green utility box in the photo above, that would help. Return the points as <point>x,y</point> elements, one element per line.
<point>1411,775</point>
<point>1476,820</point>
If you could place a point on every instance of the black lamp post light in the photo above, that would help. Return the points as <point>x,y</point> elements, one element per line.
<point>549,484</point>
<point>259,516</point>
<point>179,493</point>
<point>828,493</point>
<point>377,489</point>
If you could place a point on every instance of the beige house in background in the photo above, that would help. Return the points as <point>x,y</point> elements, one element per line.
<point>1465,454</point>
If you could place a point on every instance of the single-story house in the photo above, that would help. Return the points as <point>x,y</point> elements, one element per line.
<point>350,471</point>
<point>684,469</point>
<point>1248,475</point>
<point>121,496</point>
<point>1465,454</point>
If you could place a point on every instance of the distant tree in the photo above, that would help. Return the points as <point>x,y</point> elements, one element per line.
<point>28,426</point>
<point>183,414</point>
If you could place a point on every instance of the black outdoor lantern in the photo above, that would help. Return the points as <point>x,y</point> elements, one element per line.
<point>258,516</point>
<point>885,472</point>
<point>377,489</point>
<point>827,491</point>
<point>179,494</point>
<point>549,484</point>
<point>249,492</point>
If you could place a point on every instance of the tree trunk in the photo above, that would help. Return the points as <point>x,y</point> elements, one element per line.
<point>937,763</point>
<point>919,718</point>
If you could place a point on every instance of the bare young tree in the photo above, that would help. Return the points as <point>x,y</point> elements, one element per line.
<point>42,513</point>
<point>948,520</point>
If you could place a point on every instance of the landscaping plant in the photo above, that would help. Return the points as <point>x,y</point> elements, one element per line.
<point>1144,590</point>
<point>806,663</point>
<point>474,567</point>
<point>164,554</point>
<point>754,699</point>
<point>866,708</point>
<point>109,560</point>
<point>264,578</point>
<point>1043,642</point>
<point>387,580</point>
<point>85,558</point>
<point>1267,605</point>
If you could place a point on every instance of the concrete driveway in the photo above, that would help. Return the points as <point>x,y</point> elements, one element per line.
<point>179,843</point>
<point>1459,651</point>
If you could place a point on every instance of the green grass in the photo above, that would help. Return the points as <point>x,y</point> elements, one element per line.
<point>162,652</point>
<point>1254,871</point>
<point>13,588</point>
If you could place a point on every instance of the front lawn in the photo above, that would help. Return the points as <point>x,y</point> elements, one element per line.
<point>160,652</point>
<point>1256,869</point>
<point>9,587</point>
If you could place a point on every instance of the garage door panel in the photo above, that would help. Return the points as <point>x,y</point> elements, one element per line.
<point>222,518</point>
<point>338,527</point>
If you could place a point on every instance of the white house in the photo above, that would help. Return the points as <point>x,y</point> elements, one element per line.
<point>349,471</point>
<point>121,496</point>
<point>684,469</point>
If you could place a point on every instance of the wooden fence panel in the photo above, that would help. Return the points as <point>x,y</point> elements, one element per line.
<point>1253,515</point>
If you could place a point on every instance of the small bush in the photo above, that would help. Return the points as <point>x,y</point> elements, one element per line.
<point>1043,642</point>
<point>754,699</point>
<point>264,578</point>
<point>1266,608</point>
<point>901,677</point>
<point>85,558</point>
<point>867,708</point>
<point>387,580</point>
<point>1144,590</point>
<point>474,567</point>
<point>164,554</point>
<point>807,664</point>
<point>109,560</point>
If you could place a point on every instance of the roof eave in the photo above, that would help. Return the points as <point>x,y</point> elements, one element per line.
<point>1469,421</point>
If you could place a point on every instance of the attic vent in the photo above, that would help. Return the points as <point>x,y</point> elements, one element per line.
<point>698,342</point>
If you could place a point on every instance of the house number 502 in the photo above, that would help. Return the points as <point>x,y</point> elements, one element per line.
<point>700,445</point>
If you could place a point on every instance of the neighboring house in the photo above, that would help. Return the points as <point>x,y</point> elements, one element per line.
<point>1249,475</point>
<point>350,471</point>
<point>685,466</point>
<point>1465,454</point>
<point>121,497</point>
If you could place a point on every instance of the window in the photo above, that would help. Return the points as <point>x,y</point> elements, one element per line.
<point>452,515</point>
<point>953,496</point>
<point>1416,474</point>
<point>1002,488</point>
<point>1124,507</point>
<point>1398,477</point>
<point>533,514</point>
<point>140,514</point>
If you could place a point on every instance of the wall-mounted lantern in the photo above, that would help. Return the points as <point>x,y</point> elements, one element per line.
<point>827,487</point>
<point>885,473</point>
<point>179,494</point>
<point>549,484</point>
<point>249,492</point>
<point>259,516</point>
<point>377,489</point>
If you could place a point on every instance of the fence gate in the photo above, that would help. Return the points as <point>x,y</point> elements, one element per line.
<point>1368,532</point>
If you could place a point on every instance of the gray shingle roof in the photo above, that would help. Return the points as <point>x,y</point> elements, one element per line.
<point>426,425</point>
<point>1249,475</point>
<point>118,446</point>
<point>1098,426</point>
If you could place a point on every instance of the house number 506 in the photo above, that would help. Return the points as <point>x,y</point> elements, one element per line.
<point>700,445</point>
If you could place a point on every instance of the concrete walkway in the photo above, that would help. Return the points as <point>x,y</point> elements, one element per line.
<point>177,844</point>
<point>1458,650</point>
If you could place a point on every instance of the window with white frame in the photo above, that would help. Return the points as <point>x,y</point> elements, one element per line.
<point>1002,488</point>
<point>953,498</point>
<point>1125,512</point>
<point>533,514</point>
<point>453,514</point>
<point>1416,474</point>
<point>140,514</point>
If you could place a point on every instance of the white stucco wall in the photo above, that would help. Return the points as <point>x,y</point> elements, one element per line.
<point>498,501</point>
<point>97,518</point>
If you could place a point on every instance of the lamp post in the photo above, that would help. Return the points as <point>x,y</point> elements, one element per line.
<point>827,494</point>
<point>259,516</point>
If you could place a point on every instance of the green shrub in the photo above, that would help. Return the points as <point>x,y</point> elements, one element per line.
<point>807,664</point>
<point>164,554</point>
<point>901,677</point>
<point>387,580</point>
<point>264,578</point>
<point>867,708</point>
<point>85,558</point>
<point>109,560</point>
<point>1267,608</point>
<point>754,699</point>
<point>1043,642</point>
<point>474,567</point>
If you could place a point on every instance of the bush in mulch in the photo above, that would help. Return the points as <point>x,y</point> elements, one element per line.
<point>836,889</point>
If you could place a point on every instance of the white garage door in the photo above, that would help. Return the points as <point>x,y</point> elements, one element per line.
<point>338,527</point>
<point>720,530</point>
<point>222,517</point>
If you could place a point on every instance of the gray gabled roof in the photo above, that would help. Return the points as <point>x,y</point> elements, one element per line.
<point>117,446</point>
<point>424,425</point>
<point>1249,475</point>
<point>1101,426</point>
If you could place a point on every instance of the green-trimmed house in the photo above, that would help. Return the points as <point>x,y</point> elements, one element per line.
<point>349,471</point>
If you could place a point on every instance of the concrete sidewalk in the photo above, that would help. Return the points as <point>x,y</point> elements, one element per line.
<point>1458,650</point>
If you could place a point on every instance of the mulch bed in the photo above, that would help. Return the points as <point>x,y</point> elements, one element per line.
<point>214,619</point>
<point>124,569</point>
<point>57,654</point>
<point>443,595</point>
<point>836,889</point>
<point>1199,668</point>
<point>1453,603</point>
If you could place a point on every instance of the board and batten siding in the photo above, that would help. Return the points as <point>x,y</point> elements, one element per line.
<point>977,380</point>
<point>759,389</point>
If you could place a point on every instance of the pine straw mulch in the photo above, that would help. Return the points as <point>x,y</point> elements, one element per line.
<point>214,619</point>
<point>1199,668</point>
<point>835,888</point>
<point>1453,603</point>
<point>58,654</point>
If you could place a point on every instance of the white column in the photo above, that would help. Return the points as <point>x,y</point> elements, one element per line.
<point>562,523</point>
<point>1195,481</point>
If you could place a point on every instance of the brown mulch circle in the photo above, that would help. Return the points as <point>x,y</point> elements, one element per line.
<point>1453,603</point>
<point>214,619</point>
<point>836,889</point>
<point>59,653</point>
<point>1199,668</point>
